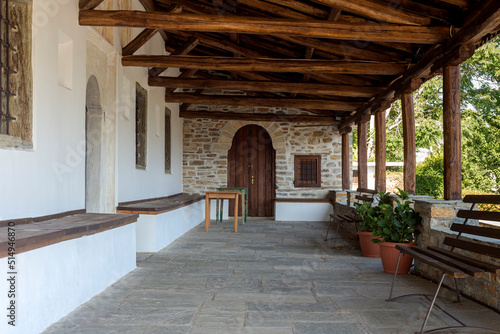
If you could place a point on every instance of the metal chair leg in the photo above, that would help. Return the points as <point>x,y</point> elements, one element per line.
<point>432,304</point>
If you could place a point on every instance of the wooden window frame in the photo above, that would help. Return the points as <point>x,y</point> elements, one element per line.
<point>168,141</point>
<point>141,127</point>
<point>298,181</point>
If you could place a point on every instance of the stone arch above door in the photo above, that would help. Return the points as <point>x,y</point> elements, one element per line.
<point>230,128</point>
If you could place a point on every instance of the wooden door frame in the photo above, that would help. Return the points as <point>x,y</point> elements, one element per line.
<point>270,194</point>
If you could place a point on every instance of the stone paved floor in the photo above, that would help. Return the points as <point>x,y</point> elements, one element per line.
<point>270,277</point>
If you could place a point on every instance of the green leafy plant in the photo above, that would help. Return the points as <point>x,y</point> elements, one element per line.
<point>370,214</point>
<point>399,223</point>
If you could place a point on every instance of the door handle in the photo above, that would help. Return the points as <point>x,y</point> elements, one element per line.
<point>253,179</point>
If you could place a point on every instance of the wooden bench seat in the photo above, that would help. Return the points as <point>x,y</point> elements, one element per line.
<point>478,257</point>
<point>154,206</point>
<point>350,216</point>
<point>33,233</point>
<point>162,220</point>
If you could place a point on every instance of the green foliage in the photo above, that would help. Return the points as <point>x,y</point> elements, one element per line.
<point>480,106</point>
<point>429,176</point>
<point>398,223</point>
<point>371,214</point>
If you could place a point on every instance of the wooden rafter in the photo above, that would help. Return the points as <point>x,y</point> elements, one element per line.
<point>272,26</point>
<point>377,10</point>
<point>265,86</point>
<point>138,41</point>
<point>89,4</point>
<point>266,65</point>
<point>184,49</point>
<point>262,102</point>
<point>481,22</point>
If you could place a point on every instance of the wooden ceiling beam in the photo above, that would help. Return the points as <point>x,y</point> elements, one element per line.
<point>266,86</point>
<point>259,117</point>
<point>231,100</point>
<point>266,65</point>
<point>184,75</point>
<point>377,10</point>
<point>267,26</point>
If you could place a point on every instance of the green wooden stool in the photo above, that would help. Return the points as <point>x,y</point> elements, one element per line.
<point>244,204</point>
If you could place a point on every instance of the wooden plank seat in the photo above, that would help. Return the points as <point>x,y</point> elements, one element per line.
<point>350,217</point>
<point>477,258</point>
<point>33,233</point>
<point>155,206</point>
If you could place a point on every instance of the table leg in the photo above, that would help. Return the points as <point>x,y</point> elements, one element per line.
<point>236,213</point>
<point>207,213</point>
<point>217,210</point>
<point>221,210</point>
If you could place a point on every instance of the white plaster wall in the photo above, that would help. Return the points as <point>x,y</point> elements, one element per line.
<point>303,211</point>
<point>134,184</point>
<point>155,232</point>
<point>54,280</point>
<point>51,177</point>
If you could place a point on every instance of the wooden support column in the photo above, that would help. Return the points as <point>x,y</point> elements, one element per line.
<point>452,133</point>
<point>346,180</point>
<point>362,155</point>
<point>410,154</point>
<point>380,147</point>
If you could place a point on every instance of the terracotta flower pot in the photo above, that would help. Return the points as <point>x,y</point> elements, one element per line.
<point>389,256</point>
<point>368,248</point>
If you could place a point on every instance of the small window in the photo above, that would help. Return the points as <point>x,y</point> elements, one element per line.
<point>168,143</point>
<point>16,77</point>
<point>141,107</point>
<point>307,171</point>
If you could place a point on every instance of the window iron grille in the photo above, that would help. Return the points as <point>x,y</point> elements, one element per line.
<point>307,171</point>
<point>5,69</point>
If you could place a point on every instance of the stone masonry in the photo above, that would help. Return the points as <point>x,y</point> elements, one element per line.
<point>206,144</point>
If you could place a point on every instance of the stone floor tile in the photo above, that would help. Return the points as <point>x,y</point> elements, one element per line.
<point>168,330</point>
<point>269,278</point>
<point>327,328</point>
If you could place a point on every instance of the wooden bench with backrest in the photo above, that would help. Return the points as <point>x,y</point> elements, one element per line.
<point>364,195</point>
<point>476,259</point>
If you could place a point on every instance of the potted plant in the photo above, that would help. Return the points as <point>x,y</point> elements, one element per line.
<point>370,215</point>
<point>398,226</point>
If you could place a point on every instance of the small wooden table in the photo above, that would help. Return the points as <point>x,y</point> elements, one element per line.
<point>244,204</point>
<point>221,195</point>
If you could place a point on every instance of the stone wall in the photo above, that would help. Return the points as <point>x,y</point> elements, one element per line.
<point>437,216</point>
<point>206,143</point>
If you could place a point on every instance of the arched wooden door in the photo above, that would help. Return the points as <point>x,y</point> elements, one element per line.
<point>251,164</point>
